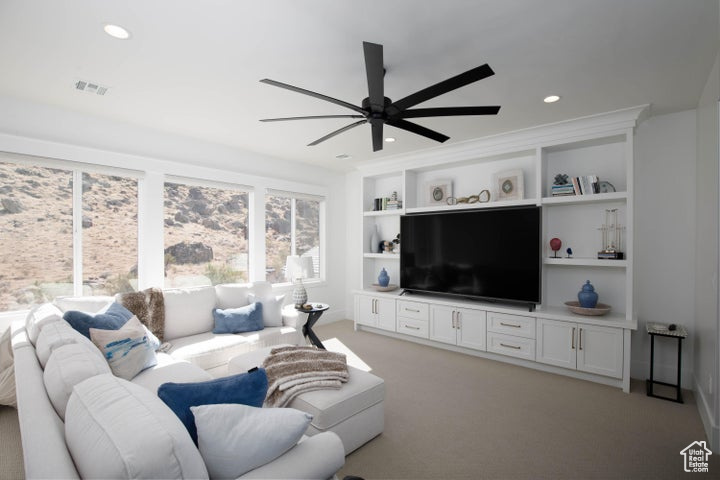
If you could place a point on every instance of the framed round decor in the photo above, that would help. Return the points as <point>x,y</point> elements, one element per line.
<point>509,185</point>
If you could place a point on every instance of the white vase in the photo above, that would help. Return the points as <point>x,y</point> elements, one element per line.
<point>374,240</point>
<point>299,294</point>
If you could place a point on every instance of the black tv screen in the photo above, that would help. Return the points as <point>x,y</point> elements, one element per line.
<point>491,254</point>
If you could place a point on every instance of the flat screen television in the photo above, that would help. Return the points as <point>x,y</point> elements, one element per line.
<point>490,254</point>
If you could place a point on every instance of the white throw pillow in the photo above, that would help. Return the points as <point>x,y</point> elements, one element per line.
<point>235,438</point>
<point>55,335</point>
<point>127,350</point>
<point>91,304</point>
<point>231,295</point>
<point>272,309</point>
<point>39,317</point>
<point>115,429</point>
<point>67,366</point>
<point>188,311</point>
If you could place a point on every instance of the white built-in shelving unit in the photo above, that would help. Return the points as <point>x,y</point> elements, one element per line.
<point>601,145</point>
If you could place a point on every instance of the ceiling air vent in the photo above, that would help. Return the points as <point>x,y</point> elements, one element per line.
<point>90,87</point>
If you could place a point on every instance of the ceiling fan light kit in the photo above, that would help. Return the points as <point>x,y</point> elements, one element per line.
<point>378,110</point>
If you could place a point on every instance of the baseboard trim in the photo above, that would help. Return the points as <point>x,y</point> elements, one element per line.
<point>712,429</point>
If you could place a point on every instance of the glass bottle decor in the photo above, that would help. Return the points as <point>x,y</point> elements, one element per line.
<point>374,240</point>
<point>587,296</point>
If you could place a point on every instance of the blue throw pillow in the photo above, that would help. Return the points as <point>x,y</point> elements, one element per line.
<point>247,388</point>
<point>112,318</point>
<point>237,320</point>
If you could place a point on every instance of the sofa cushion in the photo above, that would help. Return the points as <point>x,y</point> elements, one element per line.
<point>238,320</point>
<point>272,309</point>
<point>115,429</point>
<point>67,366</point>
<point>39,317</point>
<point>247,388</point>
<point>55,335</point>
<point>188,311</point>
<point>209,350</point>
<point>90,304</point>
<point>234,438</point>
<point>111,318</point>
<point>169,369</point>
<point>231,295</point>
<point>127,350</point>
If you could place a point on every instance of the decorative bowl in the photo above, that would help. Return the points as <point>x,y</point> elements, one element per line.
<point>389,288</point>
<point>600,309</point>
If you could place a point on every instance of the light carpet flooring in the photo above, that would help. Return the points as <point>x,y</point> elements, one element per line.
<point>455,416</point>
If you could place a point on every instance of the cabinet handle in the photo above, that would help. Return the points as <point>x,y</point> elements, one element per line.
<point>411,310</point>
<point>510,346</point>
<point>580,339</point>
<point>411,327</point>
<point>510,325</point>
<point>572,346</point>
<point>459,325</point>
<point>453,319</point>
<point>375,306</point>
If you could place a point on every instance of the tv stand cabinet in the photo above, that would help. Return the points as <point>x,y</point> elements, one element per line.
<point>549,337</point>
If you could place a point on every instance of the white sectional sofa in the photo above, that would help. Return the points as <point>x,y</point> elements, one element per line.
<point>195,354</point>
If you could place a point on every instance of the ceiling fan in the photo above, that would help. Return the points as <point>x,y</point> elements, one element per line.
<point>378,110</point>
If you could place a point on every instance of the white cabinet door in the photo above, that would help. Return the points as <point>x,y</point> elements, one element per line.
<point>365,310</point>
<point>600,350</point>
<point>385,313</point>
<point>471,328</point>
<point>442,324</point>
<point>556,343</point>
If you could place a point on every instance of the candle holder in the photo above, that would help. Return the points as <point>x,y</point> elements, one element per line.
<point>611,236</point>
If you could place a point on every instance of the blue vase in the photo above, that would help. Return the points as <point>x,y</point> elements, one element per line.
<point>587,297</point>
<point>383,278</point>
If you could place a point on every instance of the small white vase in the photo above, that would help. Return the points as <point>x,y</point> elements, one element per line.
<point>299,294</point>
<point>374,240</point>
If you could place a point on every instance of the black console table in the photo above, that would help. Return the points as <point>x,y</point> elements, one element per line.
<point>314,315</point>
<point>658,330</point>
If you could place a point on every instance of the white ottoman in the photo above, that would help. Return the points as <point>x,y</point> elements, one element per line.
<point>355,412</point>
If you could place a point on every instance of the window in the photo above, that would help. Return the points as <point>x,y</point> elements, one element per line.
<point>41,257</point>
<point>292,227</point>
<point>206,235</point>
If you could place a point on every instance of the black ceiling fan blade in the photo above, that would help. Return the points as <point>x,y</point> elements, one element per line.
<point>448,112</point>
<point>466,78</point>
<point>377,136</point>
<point>312,117</point>
<point>314,94</point>
<point>420,130</point>
<point>375,71</point>
<point>337,132</point>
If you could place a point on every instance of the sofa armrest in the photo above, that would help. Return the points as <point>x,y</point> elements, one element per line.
<point>319,456</point>
<point>291,317</point>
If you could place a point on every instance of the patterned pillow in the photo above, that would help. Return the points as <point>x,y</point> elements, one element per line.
<point>127,350</point>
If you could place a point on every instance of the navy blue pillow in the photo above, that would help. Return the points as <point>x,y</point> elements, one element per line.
<point>111,319</point>
<point>247,388</point>
<point>237,320</point>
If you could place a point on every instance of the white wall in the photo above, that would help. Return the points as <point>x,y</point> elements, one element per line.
<point>664,241</point>
<point>707,334</point>
<point>46,131</point>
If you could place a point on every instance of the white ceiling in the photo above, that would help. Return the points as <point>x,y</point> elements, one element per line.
<point>192,67</point>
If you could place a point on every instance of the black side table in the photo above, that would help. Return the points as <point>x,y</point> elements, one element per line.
<point>654,329</point>
<point>314,315</point>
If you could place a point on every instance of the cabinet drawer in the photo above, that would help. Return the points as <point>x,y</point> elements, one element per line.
<point>510,345</point>
<point>410,326</point>
<point>418,311</point>
<point>515,325</point>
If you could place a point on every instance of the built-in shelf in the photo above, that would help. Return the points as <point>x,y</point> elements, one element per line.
<point>470,206</point>
<point>389,256</point>
<point>585,262</point>
<point>382,213</point>
<point>576,199</point>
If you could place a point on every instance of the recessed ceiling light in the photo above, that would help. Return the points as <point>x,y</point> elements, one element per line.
<point>390,139</point>
<point>116,31</point>
<point>551,98</point>
<point>343,156</point>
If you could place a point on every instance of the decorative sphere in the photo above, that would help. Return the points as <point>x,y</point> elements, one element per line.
<point>555,244</point>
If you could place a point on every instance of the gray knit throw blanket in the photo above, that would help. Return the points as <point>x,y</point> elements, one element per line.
<point>295,370</point>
